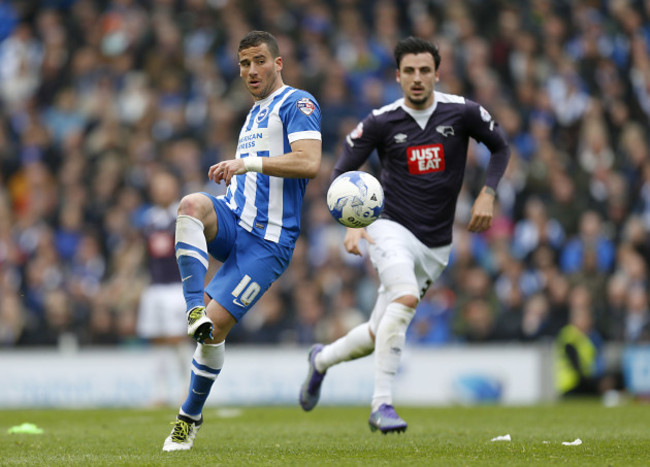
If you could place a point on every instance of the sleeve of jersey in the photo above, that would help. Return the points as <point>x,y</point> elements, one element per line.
<point>301,117</point>
<point>484,129</point>
<point>357,147</point>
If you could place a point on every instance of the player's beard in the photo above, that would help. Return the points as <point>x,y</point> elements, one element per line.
<point>259,93</point>
<point>418,102</point>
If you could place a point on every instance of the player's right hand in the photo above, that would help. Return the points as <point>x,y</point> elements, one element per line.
<point>352,239</point>
<point>225,170</point>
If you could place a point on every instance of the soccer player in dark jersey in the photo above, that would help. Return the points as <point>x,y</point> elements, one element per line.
<point>158,316</point>
<point>422,142</point>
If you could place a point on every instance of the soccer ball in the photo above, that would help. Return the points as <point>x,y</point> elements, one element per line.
<point>355,199</point>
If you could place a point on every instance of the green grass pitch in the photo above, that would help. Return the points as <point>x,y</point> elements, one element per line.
<point>617,436</point>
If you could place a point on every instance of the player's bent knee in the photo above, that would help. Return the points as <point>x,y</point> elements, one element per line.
<point>410,301</point>
<point>406,294</point>
<point>195,205</point>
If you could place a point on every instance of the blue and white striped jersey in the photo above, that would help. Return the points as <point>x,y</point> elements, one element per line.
<point>270,206</point>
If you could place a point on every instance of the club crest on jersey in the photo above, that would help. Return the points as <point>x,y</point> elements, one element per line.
<point>400,138</point>
<point>306,106</point>
<point>425,159</point>
<point>445,130</point>
<point>262,114</point>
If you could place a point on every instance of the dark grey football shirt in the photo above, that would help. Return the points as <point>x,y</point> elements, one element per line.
<point>423,155</point>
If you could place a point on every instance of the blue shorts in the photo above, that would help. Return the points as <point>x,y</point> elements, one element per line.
<point>250,263</point>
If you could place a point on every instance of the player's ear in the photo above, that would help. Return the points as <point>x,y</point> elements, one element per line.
<point>437,76</point>
<point>397,78</point>
<point>278,63</point>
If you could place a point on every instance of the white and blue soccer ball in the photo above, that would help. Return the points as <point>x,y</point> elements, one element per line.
<point>355,199</point>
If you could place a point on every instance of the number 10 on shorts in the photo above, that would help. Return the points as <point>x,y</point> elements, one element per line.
<point>248,295</point>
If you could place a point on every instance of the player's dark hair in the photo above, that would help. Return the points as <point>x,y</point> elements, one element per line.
<point>255,38</point>
<point>415,45</point>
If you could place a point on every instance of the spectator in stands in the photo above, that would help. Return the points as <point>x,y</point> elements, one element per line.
<point>479,321</point>
<point>268,325</point>
<point>557,290</point>
<point>637,316</point>
<point>590,236</point>
<point>578,350</point>
<point>536,229</point>
<point>432,322</point>
<point>535,320</point>
<point>12,317</point>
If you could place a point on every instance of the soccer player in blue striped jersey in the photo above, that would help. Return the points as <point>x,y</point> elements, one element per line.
<point>252,230</point>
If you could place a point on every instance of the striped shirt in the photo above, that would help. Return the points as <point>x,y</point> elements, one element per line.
<point>267,206</point>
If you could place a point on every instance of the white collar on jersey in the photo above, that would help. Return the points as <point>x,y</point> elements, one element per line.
<point>420,116</point>
<point>270,97</point>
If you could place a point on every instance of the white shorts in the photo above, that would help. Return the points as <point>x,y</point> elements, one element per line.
<point>405,265</point>
<point>162,312</point>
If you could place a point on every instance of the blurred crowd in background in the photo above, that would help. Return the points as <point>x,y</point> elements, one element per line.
<point>101,101</point>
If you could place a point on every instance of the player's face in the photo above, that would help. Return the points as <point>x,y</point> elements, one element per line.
<point>260,71</point>
<point>417,76</point>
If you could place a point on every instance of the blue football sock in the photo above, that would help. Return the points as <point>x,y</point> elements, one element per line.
<point>206,366</point>
<point>199,391</point>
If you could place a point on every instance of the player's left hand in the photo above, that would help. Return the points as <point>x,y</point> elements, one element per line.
<point>225,170</point>
<point>482,213</point>
<point>353,238</point>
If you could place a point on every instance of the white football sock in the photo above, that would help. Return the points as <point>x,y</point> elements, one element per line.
<point>192,258</point>
<point>391,335</point>
<point>210,355</point>
<point>355,344</point>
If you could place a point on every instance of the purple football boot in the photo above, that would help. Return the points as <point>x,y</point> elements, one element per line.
<point>310,389</point>
<point>386,420</point>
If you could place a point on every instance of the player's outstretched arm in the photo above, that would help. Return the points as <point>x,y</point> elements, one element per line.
<point>482,211</point>
<point>353,238</point>
<point>302,162</point>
